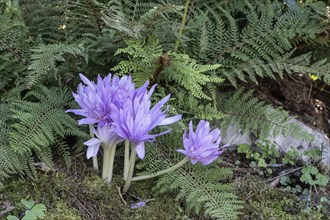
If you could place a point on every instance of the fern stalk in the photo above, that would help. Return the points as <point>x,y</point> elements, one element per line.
<point>183,21</point>
<point>177,166</point>
<point>126,159</point>
<point>95,162</point>
<point>131,170</point>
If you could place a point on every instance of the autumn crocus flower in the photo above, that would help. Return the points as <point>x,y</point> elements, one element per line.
<point>105,135</point>
<point>202,146</point>
<point>95,99</point>
<point>134,120</point>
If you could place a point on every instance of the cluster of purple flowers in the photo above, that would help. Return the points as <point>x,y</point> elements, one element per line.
<point>122,112</point>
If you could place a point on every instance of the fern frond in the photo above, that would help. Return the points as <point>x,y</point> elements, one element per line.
<point>200,186</point>
<point>253,116</point>
<point>253,39</point>
<point>63,150</point>
<point>44,58</point>
<point>147,62</point>
<point>39,123</point>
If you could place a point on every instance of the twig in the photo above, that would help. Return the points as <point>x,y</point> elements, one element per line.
<point>299,168</point>
<point>121,196</point>
<point>248,196</point>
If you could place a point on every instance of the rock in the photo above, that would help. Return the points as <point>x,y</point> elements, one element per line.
<point>284,143</point>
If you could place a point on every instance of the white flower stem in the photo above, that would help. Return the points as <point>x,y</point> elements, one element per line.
<point>178,165</point>
<point>131,169</point>
<point>111,162</point>
<point>95,162</point>
<point>126,159</point>
<point>106,155</point>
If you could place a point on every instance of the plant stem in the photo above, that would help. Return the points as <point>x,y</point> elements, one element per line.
<point>126,159</point>
<point>178,165</point>
<point>111,162</point>
<point>95,162</point>
<point>183,21</point>
<point>105,168</point>
<point>294,170</point>
<point>131,169</point>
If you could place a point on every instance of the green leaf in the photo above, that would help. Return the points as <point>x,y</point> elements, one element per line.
<point>285,180</point>
<point>262,163</point>
<point>39,210</point>
<point>11,217</point>
<point>321,179</point>
<point>27,204</point>
<point>30,215</point>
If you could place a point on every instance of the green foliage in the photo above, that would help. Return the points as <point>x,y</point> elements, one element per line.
<point>14,41</point>
<point>264,154</point>
<point>291,156</point>
<point>34,125</point>
<point>147,62</point>
<point>286,181</point>
<point>10,162</point>
<point>253,116</point>
<point>204,188</point>
<point>143,55</point>
<point>44,58</point>
<point>33,211</point>
<point>44,44</point>
<point>270,202</point>
<point>39,122</point>
<point>253,40</point>
<point>312,176</point>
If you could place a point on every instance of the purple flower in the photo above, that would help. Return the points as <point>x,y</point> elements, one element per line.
<point>202,146</point>
<point>134,120</point>
<point>138,205</point>
<point>95,99</point>
<point>105,134</point>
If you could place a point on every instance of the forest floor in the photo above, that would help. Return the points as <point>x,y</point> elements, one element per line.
<point>81,194</point>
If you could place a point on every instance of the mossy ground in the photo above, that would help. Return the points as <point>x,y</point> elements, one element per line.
<point>262,201</point>
<point>81,194</point>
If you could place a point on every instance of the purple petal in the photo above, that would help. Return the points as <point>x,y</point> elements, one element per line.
<point>140,150</point>
<point>93,147</point>
<point>170,120</point>
<point>87,121</point>
<point>93,141</point>
<point>138,205</point>
<point>183,152</point>
<point>85,80</point>
<point>92,151</point>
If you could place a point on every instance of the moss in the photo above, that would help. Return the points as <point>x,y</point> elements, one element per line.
<point>76,195</point>
<point>63,211</point>
<point>265,202</point>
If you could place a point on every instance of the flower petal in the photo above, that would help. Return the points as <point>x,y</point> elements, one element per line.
<point>140,150</point>
<point>170,120</point>
<point>92,151</point>
<point>87,121</point>
<point>93,141</point>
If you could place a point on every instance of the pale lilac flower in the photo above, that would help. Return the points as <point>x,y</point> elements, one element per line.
<point>95,99</point>
<point>134,120</point>
<point>202,146</point>
<point>138,205</point>
<point>104,134</point>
